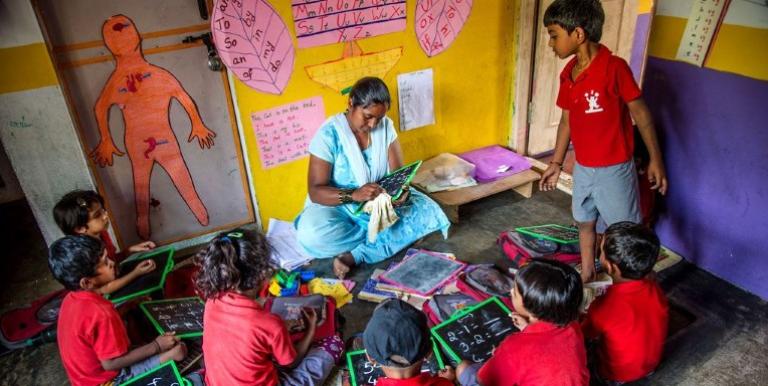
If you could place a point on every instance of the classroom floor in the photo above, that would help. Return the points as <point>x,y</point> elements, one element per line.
<point>718,333</point>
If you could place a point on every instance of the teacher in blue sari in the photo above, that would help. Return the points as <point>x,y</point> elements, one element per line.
<point>349,152</point>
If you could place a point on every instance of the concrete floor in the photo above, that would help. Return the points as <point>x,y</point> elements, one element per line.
<point>719,333</point>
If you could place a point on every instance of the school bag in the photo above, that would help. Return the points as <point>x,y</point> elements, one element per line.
<point>482,281</point>
<point>326,323</point>
<point>31,325</point>
<point>441,307</point>
<point>521,248</point>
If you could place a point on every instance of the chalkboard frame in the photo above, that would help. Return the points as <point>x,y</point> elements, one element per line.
<point>181,380</point>
<point>415,165</point>
<point>532,231</point>
<point>168,267</point>
<point>458,315</point>
<point>412,253</point>
<point>157,324</point>
<point>351,367</point>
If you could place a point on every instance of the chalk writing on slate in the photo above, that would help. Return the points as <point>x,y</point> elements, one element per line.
<point>147,283</point>
<point>393,182</point>
<point>183,316</point>
<point>475,332</point>
<point>164,375</point>
<point>363,372</point>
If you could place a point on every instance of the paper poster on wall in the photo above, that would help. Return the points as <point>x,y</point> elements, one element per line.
<point>416,95</point>
<point>354,64</point>
<point>283,133</point>
<point>703,23</point>
<point>438,22</point>
<point>324,22</point>
<point>254,43</point>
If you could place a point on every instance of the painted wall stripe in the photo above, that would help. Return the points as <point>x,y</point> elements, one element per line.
<point>25,68</point>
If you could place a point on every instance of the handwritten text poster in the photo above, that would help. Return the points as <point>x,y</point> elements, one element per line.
<point>283,133</point>
<point>703,22</point>
<point>416,94</point>
<point>333,21</point>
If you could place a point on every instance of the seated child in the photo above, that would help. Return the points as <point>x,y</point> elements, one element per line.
<point>630,319</point>
<point>397,338</point>
<point>81,212</point>
<point>93,342</point>
<point>549,349</point>
<point>243,344</point>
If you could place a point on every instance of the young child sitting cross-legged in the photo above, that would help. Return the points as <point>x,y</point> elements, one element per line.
<point>81,212</point>
<point>549,349</point>
<point>93,342</point>
<point>244,344</point>
<point>397,338</point>
<point>629,321</point>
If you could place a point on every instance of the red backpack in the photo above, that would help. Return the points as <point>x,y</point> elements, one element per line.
<point>521,248</point>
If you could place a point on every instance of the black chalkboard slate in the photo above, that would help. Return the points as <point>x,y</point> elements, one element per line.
<point>148,283</point>
<point>393,182</point>
<point>474,332</point>
<point>553,232</point>
<point>164,375</point>
<point>183,316</point>
<point>362,372</point>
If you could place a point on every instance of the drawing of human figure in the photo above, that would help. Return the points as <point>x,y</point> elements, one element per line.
<point>144,92</point>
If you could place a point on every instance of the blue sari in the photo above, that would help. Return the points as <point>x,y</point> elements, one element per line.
<point>327,231</point>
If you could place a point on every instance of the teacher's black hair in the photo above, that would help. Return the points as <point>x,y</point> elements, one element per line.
<point>369,91</point>
<point>634,248</point>
<point>71,212</point>
<point>569,14</point>
<point>236,260</point>
<point>75,257</point>
<point>551,290</point>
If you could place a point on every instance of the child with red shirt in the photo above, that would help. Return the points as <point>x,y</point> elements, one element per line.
<point>93,342</point>
<point>549,349</point>
<point>397,338</point>
<point>81,212</point>
<point>599,99</point>
<point>629,321</point>
<point>243,344</point>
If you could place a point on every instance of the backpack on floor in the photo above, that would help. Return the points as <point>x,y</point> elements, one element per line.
<point>440,307</point>
<point>482,281</point>
<point>521,248</point>
<point>31,325</point>
<point>326,323</point>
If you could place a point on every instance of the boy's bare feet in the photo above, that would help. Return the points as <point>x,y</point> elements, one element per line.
<point>342,264</point>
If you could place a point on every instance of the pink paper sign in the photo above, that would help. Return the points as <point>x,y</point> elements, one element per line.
<point>254,43</point>
<point>438,22</point>
<point>283,133</point>
<point>333,21</point>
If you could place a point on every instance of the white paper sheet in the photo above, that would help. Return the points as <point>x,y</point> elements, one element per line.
<point>286,251</point>
<point>416,96</point>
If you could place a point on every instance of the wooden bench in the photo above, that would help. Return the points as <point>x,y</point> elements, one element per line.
<point>451,200</point>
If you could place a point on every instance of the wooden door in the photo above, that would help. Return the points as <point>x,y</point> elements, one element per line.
<point>544,115</point>
<point>162,109</point>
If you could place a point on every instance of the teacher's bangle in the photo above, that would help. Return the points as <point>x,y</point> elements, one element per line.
<point>345,196</point>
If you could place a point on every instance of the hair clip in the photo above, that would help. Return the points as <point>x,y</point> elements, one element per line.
<point>81,202</point>
<point>225,238</point>
<point>237,235</point>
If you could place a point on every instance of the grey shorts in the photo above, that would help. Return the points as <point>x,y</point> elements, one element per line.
<point>136,369</point>
<point>609,193</point>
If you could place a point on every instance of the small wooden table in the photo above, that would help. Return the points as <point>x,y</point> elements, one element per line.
<point>451,200</point>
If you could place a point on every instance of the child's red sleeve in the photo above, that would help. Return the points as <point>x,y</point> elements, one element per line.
<point>625,82</point>
<point>110,339</point>
<point>282,346</point>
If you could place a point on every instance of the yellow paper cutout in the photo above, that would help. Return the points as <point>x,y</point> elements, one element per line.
<point>354,64</point>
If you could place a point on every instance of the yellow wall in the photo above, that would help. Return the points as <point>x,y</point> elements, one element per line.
<point>736,49</point>
<point>25,68</point>
<point>472,97</point>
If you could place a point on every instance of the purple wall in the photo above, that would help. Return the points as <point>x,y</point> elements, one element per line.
<point>714,133</point>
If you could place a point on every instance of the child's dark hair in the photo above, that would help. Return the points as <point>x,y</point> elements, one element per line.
<point>633,247</point>
<point>369,91</point>
<point>74,257</point>
<point>71,212</point>
<point>569,14</point>
<point>235,260</point>
<point>551,290</point>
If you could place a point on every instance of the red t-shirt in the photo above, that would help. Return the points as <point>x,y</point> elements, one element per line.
<point>542,354</point>
<point>242,342</point>
<point>422,379</point>
<point>601,127</point>
<point>631,321</point>
<point>89,330</point>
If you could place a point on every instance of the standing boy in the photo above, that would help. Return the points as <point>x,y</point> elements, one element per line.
<point>599,98</point>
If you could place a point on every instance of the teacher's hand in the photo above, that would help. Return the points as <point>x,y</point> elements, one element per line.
<point>403,197</point>
<point>367,192</point>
